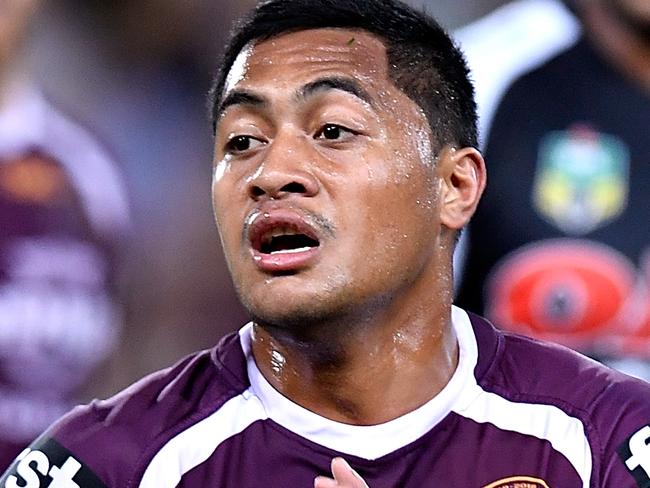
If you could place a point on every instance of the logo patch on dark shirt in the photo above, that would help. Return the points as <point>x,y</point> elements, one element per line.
<point>635,454</point>
<point>48,463</point>
<point>518,482</point>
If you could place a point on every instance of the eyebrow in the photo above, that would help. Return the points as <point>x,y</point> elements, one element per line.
<point>244,97</point>
<point>336,83</point>
<point>239,97</point>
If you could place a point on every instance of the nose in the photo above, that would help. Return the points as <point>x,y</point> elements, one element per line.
<point>285,171</point>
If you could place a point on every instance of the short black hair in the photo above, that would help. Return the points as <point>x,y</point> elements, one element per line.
<point>423,60</point>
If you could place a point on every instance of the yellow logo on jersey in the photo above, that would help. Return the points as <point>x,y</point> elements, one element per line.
<point>518,482</point>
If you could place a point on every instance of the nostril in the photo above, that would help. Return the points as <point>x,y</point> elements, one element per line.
<point>294,187</point>
<point>262,189</point>
<point>256,192</point>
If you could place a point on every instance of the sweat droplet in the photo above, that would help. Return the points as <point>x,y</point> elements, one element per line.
<point>277,362</point>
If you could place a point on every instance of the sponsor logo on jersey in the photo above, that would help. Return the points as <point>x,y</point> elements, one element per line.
<point>635,454</point>
<point>581,181</point>
<point>518,482</point>
<point>48,464</point>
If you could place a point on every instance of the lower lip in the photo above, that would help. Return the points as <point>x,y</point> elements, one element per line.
<point>284,262</point>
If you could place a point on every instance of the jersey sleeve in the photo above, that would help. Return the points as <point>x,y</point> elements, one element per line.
<point>99,445</point>
<point>68,455</point>
<point>109,443</point>
<point>623,425</point>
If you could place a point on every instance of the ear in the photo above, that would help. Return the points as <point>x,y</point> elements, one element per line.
<point>462,176</point>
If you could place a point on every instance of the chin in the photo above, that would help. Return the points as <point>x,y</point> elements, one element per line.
<point>300,314</point>
<point>284,314</point>
<point>287,301</point>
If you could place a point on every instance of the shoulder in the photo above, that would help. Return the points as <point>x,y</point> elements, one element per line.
<point>528,367</point>
<point>612,408</point>
<point>114,439</point>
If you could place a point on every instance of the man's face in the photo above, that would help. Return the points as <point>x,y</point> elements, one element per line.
<point>325,185</point>
<point>14,18</point>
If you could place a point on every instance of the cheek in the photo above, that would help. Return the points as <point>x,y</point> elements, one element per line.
<point>227,219</point>
<point>217,203</point>
<point>228,189</point>
<point>219,172</point>
<point>399,213</point>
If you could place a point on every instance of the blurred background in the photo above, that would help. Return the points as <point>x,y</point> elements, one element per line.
<point>137,73</point>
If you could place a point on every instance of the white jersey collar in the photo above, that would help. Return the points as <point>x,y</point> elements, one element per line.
<point>368,442</point>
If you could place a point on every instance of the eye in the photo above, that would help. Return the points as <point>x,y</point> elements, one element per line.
<point>333,132</point>
<point>239,144</point>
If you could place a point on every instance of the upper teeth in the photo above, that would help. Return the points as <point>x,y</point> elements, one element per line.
<point>278,232</point>
<point>287,251</point>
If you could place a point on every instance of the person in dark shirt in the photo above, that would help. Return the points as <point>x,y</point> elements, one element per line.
<point>345,165</point>
<point>560,245</point>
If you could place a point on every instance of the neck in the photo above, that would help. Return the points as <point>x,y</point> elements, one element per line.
<point>365,371</point>
<point>618,41</point>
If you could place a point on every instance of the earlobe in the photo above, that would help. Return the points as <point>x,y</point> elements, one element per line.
<point>463,177</point>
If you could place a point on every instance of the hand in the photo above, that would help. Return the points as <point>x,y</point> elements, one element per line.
<point>344,477</point>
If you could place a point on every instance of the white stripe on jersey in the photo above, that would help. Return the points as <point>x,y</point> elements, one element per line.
<point>565,433</point>
<point>196,444</point>
<point>365,441</point>
<point>547,422</point>
<point>462,395</point>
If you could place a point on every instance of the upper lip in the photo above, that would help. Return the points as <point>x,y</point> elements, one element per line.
<point>264,226</point>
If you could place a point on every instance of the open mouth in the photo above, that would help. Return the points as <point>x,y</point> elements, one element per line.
<point>285,241</point>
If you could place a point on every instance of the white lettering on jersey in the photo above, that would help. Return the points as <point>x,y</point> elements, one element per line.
<point>62,477</point>
<point>639,446</point>
<point>31,463</point>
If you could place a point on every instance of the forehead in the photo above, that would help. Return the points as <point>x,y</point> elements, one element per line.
<point>300,56</point>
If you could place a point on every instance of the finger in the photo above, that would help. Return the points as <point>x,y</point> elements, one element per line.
<point>325,482</point>
<point>345,476</point>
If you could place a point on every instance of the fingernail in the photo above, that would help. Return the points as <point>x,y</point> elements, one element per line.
<point>345,463</point>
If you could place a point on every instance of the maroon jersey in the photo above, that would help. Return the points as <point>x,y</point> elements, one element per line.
<point>516,413</point>
<point>62,211</point>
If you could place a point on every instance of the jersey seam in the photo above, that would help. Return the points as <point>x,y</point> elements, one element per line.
<point>583,415</point>
<point>231,377</point>
<point>494,359</point>
<point>155,445</point>
<point>326,451</point>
